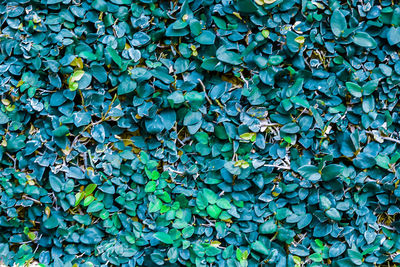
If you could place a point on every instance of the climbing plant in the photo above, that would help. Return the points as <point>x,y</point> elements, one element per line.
<point>199,132</point>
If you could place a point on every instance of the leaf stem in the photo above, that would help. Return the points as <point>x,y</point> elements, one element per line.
<point>277,166</point>
<point>205,92</point>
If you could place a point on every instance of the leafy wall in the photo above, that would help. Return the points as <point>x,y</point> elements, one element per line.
<point>199,132</point>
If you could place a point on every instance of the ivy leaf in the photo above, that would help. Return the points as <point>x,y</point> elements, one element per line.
<point>393,35</point>
<point>354,89</point>
<point>95,206</point>
<point>310,173</point>
<point>365,40</point>
<point>333,214</point>
<point>355,256</point>
<point>150,187</point>
<point>337,249</point>
<point>370,86</point>
<point>227,56</point>
<point>268,227</point>
<point>164,237</point>
<point>260,248</point>
<point>98,133</point>
<point>338,23</point>
<point>115,56</point>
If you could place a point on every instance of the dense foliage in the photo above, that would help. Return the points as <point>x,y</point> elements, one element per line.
<point>199,132</point>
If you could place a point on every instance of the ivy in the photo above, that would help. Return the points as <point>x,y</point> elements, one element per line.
<point>199,132</point>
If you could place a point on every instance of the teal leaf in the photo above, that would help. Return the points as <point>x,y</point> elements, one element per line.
<point>150,187</point>
<point>3,118</point>
<point>354,89</point>
<point>364,161</point>
<point>195,27</point>
<point>154,125</point>
<point>304,221</point>
<point>382,161</point>
<point>338,23</point>
<point>61,131</point>
<point>261,61</point>
<point>333,214</point>
<point>331,171</point>
<point>51,222</point>
<point>268,227</point>
<point>393,35</point>
<point>115,56</point>
<point>227,56</point>
<point>55,183</point>
<point>290,128</point>
<point>126,86</point>
<point>275,60</point>
<point>316,257</point>
<point>212,251</point>
<point>99,5</point>
<point>355,256</point>
<point>337,249</point>
<point>81,119</point>
<point>295,88</point>
<point>164,237</point>
<point>206,38</point>
<point>195,99</point>
<point>192,118</point>
<point>95,206</point>
<point>370,87</point>
<point>223,203</point>
<point>259,247</point>
<point>364,39</point>
<point>214,211</point>
<point>310,172</point>
<point>98,133</point>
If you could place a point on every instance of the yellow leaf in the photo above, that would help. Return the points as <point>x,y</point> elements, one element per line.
<point>194,50</point>
<point>237,15</point>
<point>4,143</point>
<point>319,5</point>
<point>268,2</point>
<point>36,19</point>
<point>10,108</point>
<point>66,151</point>
<point>297,260</point>
<point>300,39</point>
<point>31,235</point>
<point>5,101</point>
<point>227,220</point>
<point>242,164</point>
<point>77,62</point>
<point>47,211</point>
<point>76,76</point>
<point>215,243</point>
<point>260,2</point>
<point>245,165</point>
<point>248,136</point>
<point>245,255</point>
<point>32,130</point>
<point>265,33</point>
<point>21,82</point>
